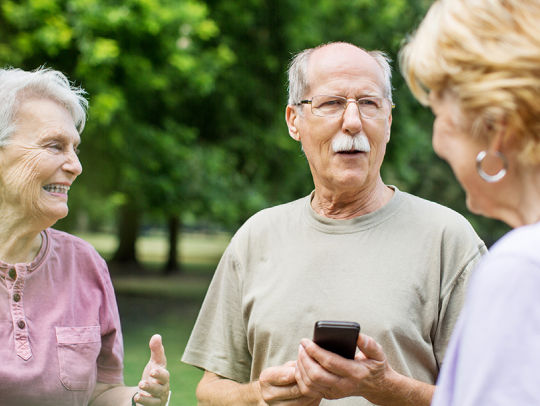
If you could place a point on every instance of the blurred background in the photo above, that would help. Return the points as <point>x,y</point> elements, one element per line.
<point>186,136</point>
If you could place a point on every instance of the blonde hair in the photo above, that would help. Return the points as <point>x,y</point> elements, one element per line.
<point>487,53</point>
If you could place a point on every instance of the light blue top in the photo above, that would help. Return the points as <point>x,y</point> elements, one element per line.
<point>494,354</point>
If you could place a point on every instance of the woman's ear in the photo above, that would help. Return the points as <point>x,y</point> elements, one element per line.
<point>291,117</point>
<point>502,139</point>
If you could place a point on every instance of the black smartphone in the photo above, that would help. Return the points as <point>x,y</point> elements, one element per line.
<point>337,336</point>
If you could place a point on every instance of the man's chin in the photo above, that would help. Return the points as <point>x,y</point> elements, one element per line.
<point>351,180</point>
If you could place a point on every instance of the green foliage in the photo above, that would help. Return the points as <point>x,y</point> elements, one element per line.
<point>187,99</point>
<point>142,63</point>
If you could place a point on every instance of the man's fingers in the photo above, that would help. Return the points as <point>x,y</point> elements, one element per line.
<point>370,348</point>
<point>287,392</point>
<point>278,383</point>
<point>157,351</point>
<point>331,363</point>
<point>312,378</point>
<point>278,376</point>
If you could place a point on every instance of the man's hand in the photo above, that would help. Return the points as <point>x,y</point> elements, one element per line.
<point>154,385</point>
<point>279,388</point>
<point>325,374</point>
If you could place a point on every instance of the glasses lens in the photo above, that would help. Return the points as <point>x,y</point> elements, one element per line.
<point>371,107</point>
<point>327,105</point>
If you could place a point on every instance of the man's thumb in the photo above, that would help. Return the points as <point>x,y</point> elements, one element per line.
<point>370,348</point>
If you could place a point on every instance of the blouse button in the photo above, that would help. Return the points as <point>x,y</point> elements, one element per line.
<point>16,297</point>
<point>21,324</point>
<point>12,273</point>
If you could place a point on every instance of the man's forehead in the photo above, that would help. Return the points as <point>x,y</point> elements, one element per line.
<point>343,61</point>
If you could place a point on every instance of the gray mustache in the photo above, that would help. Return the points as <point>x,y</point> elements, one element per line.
<point>343,142</point>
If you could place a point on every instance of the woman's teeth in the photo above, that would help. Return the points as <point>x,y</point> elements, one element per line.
<point>56,188</point>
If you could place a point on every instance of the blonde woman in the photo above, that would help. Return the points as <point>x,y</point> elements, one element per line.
<point>476,63</point>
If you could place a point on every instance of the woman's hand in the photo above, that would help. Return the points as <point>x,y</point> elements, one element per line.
<point>154,385</point>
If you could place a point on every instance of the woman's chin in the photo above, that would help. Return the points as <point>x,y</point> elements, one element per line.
<point>473,207</point>
<point>50,217</point>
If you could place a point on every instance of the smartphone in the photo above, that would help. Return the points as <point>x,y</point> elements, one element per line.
<point>337,336</point>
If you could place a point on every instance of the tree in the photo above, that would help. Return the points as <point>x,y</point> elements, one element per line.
<point>187,100</point>
<point>142,62</point>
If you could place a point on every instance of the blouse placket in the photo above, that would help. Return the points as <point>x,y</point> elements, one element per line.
<point>15,279</point>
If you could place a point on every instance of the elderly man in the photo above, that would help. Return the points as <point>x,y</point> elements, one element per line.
<point>354,249</point>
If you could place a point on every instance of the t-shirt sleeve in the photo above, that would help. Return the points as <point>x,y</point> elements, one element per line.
<point>111,357</point>
<point>461,256</point>
<point>218,341</point>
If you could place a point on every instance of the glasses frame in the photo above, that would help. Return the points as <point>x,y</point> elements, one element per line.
<point>347,100</point>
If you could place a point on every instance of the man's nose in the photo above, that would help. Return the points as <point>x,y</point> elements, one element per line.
<point>352,120</point>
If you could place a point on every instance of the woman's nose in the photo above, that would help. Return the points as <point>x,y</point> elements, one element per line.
<point>73,164</point>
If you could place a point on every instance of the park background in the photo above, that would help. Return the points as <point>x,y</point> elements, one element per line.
<point>186,135</point>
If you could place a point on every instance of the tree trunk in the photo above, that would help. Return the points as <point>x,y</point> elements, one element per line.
<point>128,231</point>
<point>173,266</point>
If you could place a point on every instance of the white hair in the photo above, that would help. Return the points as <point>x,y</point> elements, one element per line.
<point>16,85</point>
<point>298,80</point>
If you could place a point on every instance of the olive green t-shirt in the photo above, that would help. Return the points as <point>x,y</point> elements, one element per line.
<point>400,272</point>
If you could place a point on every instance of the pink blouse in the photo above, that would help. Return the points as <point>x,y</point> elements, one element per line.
<point>59,325</point>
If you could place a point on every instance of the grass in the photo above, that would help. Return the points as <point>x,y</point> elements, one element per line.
<point>151,303</point>
<point>173,319</point>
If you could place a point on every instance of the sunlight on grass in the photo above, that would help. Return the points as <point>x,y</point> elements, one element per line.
<point>194,248</point>
<point>174,287</point>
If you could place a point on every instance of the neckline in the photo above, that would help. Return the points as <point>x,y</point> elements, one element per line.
<point>38,259</point>
<point>355,224</point>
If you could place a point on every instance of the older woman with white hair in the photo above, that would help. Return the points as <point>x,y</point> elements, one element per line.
<point>477,64</point>
<point>60,335</point>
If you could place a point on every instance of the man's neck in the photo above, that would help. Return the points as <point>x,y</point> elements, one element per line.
<point>350,204</point>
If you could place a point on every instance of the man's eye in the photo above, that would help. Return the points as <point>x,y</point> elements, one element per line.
<point>368,102</point>
<point>56,146</point>
<point>331,103</point>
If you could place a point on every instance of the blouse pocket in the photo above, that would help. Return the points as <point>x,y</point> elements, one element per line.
<point>78,350</point>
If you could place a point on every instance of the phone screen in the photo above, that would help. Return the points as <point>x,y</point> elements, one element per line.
<point>337,336</point>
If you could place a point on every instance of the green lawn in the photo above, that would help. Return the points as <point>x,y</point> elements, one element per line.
<point>151,303</point>
<point>173,319</point>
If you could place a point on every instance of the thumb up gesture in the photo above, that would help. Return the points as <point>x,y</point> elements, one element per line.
<point>154,384</point>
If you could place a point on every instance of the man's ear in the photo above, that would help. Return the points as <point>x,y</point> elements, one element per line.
<point>389,127</point>
<point>291,117</point>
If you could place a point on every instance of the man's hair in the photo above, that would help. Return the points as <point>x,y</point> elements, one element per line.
<point>17,85</point>
<point>486,53</point>
<point>298,72</point>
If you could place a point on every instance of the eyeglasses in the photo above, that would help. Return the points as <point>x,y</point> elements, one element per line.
<point>329,106</point>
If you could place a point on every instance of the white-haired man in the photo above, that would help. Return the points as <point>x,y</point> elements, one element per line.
<point>354,249</point>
